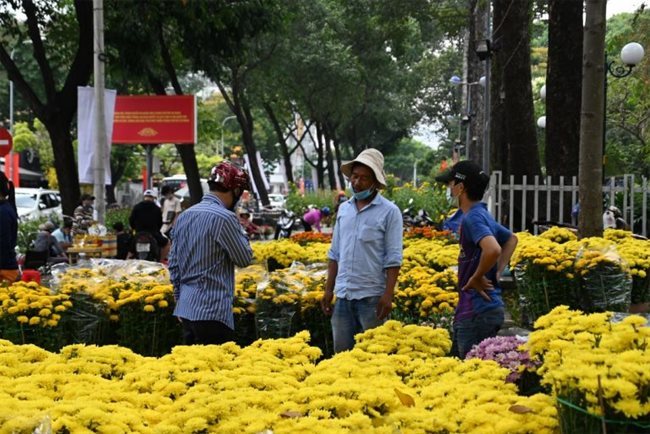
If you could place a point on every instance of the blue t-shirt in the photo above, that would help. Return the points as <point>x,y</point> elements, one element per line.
<point>476,225</point>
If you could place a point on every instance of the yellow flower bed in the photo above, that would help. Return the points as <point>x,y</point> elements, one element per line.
<point>271,386</point>
<point>594,363</point>
<point>422,293</point>
<point>436,254</point>
<point>30,303</point>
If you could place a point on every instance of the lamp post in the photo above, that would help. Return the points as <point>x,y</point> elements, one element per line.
<point>223,124</point>
<point>631,55</point>
<point>456,81</point>
<point>10,165</point>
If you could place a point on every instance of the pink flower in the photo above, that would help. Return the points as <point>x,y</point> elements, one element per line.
<point>505,350</point>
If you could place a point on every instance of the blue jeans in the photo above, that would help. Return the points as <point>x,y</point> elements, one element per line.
<point>351,317</point>
<point>471,331</point>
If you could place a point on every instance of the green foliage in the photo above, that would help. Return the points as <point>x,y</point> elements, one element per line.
<point>27,232</point>
<point>408,152</point>
<point>430,198</point>
<point>627,141</point>
<point>115,215</point>
<point>298,203</point>
<point>36,139</point>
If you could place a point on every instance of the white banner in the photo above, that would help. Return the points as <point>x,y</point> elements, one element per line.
<point>86,132</point>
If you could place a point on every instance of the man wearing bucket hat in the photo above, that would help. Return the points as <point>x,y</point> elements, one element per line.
<point>366,253</point>
<point>208,243</point>
<point>485,250</point>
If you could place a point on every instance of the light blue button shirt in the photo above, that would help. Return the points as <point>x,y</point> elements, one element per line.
<point>364,244</point>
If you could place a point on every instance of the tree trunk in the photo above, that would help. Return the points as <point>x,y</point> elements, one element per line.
<point>57,113</point>
<point>284,149</point>
<point>64,163</point>
<point>523,154</point>
<point>563,87</point>
<point>591,126</point>
<point>475,70</point>
<point>516,145</point>
<point>320,147</point>
<point>337,151</point>
<point>330,161</point>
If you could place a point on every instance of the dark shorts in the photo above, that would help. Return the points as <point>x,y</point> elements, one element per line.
<point>206,333</point>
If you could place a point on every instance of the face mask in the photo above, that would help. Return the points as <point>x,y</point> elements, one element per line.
<point>453,200</point>
<point>365,194</point>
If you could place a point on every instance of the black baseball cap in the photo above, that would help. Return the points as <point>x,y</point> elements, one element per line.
<point>87,196</point>
<point>467,172</point>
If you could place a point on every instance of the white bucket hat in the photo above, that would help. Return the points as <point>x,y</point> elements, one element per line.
<point>373,159</point>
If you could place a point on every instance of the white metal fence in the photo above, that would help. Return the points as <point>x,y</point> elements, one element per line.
<point>546,199</point>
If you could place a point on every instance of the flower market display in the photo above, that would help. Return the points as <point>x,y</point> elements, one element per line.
<point>592,274</point>
<point>396,380</point>
<point>598,370</point>
<point>281,377</point>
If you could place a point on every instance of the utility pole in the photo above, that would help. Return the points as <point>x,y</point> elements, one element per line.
<point>99,169</point>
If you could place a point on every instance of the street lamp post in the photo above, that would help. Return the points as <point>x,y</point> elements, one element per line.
<point>223,124</point>
<point>631,55</point>
<point>456,81</point>
<point>10,166</point>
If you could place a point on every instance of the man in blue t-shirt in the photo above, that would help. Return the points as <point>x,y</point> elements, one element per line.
<point>485,249</point>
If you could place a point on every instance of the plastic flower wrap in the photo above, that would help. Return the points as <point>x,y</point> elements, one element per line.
<point>545,275</point>
<point>605,283</point>
<point>636,253</point>
<point>508,352</point>
<point>595,365</point>
<point>289,299</point>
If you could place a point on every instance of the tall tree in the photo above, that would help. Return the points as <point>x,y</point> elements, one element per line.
<point>591,126</point>
<point>563,87</point>
<point>56,104</point>
<point>513,135</point>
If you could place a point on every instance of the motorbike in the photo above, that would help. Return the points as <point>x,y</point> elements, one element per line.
<point>145,247</point>
<point>412,219</point>
<point>284,224</point>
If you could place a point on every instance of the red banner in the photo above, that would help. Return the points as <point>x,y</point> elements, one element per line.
<point>155,119</point>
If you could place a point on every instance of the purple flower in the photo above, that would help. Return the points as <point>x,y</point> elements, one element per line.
<point>505,351</point>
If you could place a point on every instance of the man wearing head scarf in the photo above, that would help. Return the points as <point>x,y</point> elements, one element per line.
<point>8,231</point>
<point>366,253</point>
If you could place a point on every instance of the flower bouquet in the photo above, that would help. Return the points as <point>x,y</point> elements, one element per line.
<point>544,273</point>
<point>510,352</point>
<point>597,370</point>
<point>605,282</point>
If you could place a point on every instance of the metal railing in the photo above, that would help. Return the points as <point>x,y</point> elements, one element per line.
<point>537,198</point>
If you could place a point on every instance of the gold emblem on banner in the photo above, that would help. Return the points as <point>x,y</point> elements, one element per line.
<point>147,132</point>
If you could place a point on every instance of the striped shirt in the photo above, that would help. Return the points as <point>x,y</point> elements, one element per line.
<point>364,244</point>
<point>208,243</point>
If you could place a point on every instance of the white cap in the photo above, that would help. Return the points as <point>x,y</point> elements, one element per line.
<point>151,193</point>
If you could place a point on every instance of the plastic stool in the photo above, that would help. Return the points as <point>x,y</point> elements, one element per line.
<point>31,276</point>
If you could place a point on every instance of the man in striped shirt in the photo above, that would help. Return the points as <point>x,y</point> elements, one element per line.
<point>208,242</point>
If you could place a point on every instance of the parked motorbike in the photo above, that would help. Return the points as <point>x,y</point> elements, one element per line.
<point>284,224</point>
<point>412,219</point>
<point>145,247</point>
